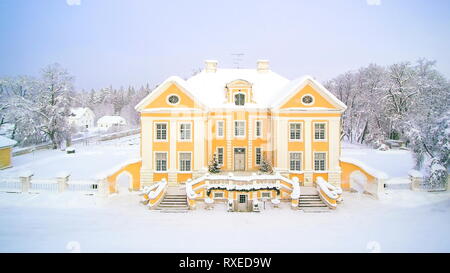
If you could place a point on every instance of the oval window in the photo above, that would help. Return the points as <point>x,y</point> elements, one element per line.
<point>173,99</point>
<point>307,99</point>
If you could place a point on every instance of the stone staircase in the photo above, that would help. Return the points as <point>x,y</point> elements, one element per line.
<point>312,203</point>
<point>175,200</point>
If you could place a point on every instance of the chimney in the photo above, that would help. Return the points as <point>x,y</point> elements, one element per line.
<point>262,65</point>
<point>211,66</point>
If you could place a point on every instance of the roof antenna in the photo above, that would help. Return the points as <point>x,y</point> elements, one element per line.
<point>237,58</point>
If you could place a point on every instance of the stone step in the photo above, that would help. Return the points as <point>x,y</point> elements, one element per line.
<point>182,195</point>
<point>316,210</point>
<point>174,200</point>
<point>309,195</point>
<point>174,211</point>
<point>312,205</point>
<point>310,198</point>
<point>170,202</point>
<point>311,202</point>
<point>172,205</point>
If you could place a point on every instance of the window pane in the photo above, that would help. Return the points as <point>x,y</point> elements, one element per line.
<point>239,128</point>
<point>295,162</point>
<point>319,161</point>
<point>220,128</point>
<point>220,155</point>
<point>161,161</point>
<point>239,99</point>
<point>258,156</point>
<point>319,130</point>
<point>258,128</point>
<point>295,131</point>
<point>185,162</point>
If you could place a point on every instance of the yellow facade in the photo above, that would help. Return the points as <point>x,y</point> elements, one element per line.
<point>5,157</point>
<point>240,132</point>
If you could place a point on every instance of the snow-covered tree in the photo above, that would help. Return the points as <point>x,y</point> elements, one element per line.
<point>51,104</point>
<point>265,166</point>
<point>214,166</point>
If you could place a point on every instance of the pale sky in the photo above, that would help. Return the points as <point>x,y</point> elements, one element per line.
<point>131,42</point>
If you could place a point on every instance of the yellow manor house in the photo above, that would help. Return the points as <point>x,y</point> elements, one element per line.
<point>241,117</point>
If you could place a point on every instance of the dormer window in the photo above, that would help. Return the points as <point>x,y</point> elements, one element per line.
<point>239,92</point>
<point>239,99</point>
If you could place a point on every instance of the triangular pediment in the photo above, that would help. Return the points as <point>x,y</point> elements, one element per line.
<point>309,94</point>
<point>172,93</point>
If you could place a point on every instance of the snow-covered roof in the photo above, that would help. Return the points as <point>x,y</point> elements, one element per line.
<point>209,86</point>
<point>269,89</point>
<point>6,142</point>
<point>78,112</point>
<point>111,119</point>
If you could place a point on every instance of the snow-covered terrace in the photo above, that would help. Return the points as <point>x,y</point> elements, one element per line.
<point>395,163</point>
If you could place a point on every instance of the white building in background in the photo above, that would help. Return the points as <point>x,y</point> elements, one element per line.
<point>107,122</point>
<point>82,117</point>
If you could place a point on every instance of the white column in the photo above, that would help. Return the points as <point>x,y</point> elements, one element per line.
<point>281,143</point>
<point>308,145</point>
<point>334,170</point>
<point>199,144</point>
<point>172,172</point>
<point>209,140</point>
<point>333,144</point>
<point>229,136</point>
<point>308,175</point>
<point>146,151</point>
<point>146,142</point>
<point>250,143</point>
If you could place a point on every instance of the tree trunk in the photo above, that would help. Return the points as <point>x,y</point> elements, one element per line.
<point>364,132</point>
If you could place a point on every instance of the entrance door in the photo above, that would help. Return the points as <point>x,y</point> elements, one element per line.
<point>239,159</point>
<point>242,202</point>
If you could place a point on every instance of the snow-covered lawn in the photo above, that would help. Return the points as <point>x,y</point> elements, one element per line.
<point>405,221</point>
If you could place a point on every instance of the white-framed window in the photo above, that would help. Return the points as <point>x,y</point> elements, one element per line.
<point>295,131</point>
<point>220,155</point>
<point>258,128</point>
<point>185,131</point>
<point>320,161</point>
<point>258,155</point>
<point>266,194</point>
<point>320,131</point>
<point>161,131</point>
<point>220,132</point>
<point>242,198</point>
<point>161,161</point>
<point>239,128</point>
<point>218,195</point>
<point>295,161</point>
<point>185,161</point>
<point>239,98</point>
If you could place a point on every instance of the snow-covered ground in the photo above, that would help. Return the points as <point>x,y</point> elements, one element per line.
<point>404,221</point>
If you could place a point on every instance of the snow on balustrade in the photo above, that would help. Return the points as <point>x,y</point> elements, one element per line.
<point>153,194</point>
<point>246,183</point>
<point>328,193</point>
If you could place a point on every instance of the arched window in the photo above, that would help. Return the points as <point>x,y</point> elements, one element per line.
<point>239,99</point>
